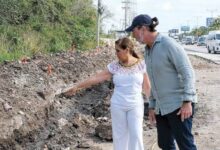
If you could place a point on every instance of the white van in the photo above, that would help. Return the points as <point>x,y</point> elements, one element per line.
<point>213,41</point>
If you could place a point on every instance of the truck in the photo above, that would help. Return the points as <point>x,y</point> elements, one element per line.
<point>213,41</point>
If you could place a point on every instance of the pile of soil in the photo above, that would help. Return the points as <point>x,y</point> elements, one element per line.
<point>33,115</point>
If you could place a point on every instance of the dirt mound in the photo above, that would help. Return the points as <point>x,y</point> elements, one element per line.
<point>202,63</point>
<point>32,117</point>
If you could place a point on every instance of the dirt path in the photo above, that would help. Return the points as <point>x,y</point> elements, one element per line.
<point>207,120</point>
<point>206,127</point>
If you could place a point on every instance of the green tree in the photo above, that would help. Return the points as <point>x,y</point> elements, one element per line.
<point>200,31</point>
<point>31,26</point>
<point>216,24</point>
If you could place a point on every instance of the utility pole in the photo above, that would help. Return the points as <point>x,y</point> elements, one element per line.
<point>99,13</point>
<point>197,21</point>
<point>197,25</point>
<point>130,11</point>
<point>133,10</point>
<point>126,8</point>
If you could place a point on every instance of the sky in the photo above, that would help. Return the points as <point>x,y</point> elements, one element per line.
<point>172,14</point>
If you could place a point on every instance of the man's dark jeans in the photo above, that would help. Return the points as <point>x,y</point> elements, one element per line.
<point>170,127</point>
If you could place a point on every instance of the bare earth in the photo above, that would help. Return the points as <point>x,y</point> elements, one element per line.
<point>34,117</point>
<point>206,127</point>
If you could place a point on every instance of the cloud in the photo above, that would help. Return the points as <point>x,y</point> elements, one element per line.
<point>171,13</point>
<point>167,6</point>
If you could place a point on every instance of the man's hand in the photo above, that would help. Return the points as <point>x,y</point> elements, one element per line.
<point>185,111</point>
<point>151,116</point>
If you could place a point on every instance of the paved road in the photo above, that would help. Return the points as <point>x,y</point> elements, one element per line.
<point>201,51</point>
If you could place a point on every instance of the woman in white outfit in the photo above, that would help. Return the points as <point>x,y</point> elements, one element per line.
<point>127,105</point>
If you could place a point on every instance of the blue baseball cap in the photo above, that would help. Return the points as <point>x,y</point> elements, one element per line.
<point>139,21</point>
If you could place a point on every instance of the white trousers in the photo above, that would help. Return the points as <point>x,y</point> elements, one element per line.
<point>127,127</point>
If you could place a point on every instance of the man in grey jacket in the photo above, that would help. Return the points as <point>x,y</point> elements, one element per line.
<point>172,79</point>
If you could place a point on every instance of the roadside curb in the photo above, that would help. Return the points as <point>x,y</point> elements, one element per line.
<point>199,56</point>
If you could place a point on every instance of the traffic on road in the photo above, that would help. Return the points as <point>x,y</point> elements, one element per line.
<point>205,45</point>
<point>202,51</point>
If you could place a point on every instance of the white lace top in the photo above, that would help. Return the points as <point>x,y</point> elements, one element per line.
<point>128,83</point>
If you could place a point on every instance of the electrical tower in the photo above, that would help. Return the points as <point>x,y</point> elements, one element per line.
<point>133,11</point>
<point>130,7</point>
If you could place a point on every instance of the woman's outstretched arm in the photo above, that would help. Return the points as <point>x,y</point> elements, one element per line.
<point>97,78</point>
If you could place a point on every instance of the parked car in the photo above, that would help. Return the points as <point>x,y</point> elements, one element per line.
<point>189,41</point>
<point>201,41</point>
<point>213,41</point>
<point>183,41</point>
